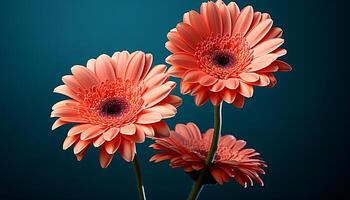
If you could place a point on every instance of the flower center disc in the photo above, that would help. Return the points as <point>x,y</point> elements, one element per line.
<point>114,107</point>
<point>223,60</point>
<point>223,56</point>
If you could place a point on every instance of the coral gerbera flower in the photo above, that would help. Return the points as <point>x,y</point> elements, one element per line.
<point>115,102</point>
<point>222,52</point>
<point>188,148</point>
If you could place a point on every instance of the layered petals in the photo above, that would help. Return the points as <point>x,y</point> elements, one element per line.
<point>187,148</point>
<point>224,49</point>
<point>116,102</point>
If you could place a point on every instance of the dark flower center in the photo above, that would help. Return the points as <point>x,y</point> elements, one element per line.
<point>223,59</point>
<point>114,107</point>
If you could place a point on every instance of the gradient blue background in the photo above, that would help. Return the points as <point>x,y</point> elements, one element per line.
<point>299,126</point>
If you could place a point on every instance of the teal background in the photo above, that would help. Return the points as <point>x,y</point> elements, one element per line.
<point>300,126</point>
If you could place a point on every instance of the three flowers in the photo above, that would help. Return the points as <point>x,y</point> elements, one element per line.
<point>219,54</point>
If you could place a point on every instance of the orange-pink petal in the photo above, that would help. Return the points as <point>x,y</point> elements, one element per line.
<point>182,60</point>
<point>188,34</point>
<point>173,100</point>
<point>84,76</point>
<point>129,129</point>
<point>239,101</point>
<point>148,117</point>
<point>127,150</point>
<point>135,66</point>
<point>112,146</point>
<point>157,94</point>
<point>166,110</point>
<point>201,97</point>
<point>105,158</point>
<point>77,129</point>
<point>80,146</point>
<point>198,23</point>
<point>91,132</point>
<point>267,47</point>
<point>69,141</point>
<point>161,129</point>
<point>249,77</point>
<point>104,68</point>
<point>214,18</point>
<point>111,133</point>
<point>258,33</point>
<point>244,21</point>
<point>245,89</point>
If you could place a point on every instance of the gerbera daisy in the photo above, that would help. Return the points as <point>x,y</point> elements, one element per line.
<point>188,148</point>
<point>222,52</point>
<point>115,103</point>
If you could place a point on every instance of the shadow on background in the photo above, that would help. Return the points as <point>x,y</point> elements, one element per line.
<point>300,126</point>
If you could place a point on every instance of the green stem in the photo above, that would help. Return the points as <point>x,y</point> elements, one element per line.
<point>137,170</point>
<point>198,185</point>
<point>216,135</point>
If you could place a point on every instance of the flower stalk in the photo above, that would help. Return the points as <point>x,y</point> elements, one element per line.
<point>198,185</point>
<point>137,170</point>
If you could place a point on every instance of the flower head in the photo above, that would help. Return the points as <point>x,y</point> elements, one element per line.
<point>115,103</point>
<point>222,52</point>
<point>188,148</point>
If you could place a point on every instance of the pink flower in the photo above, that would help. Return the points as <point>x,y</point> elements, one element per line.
<point>188,148</point>
<point>115,103</point>
<point>222,52</point>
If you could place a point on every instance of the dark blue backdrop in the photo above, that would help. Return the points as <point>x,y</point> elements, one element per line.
<point>298,126</point>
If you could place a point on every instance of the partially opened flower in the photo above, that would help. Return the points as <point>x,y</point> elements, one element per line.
<point>222,52</point>
<point>115,103</point>
<point>188,148</point>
